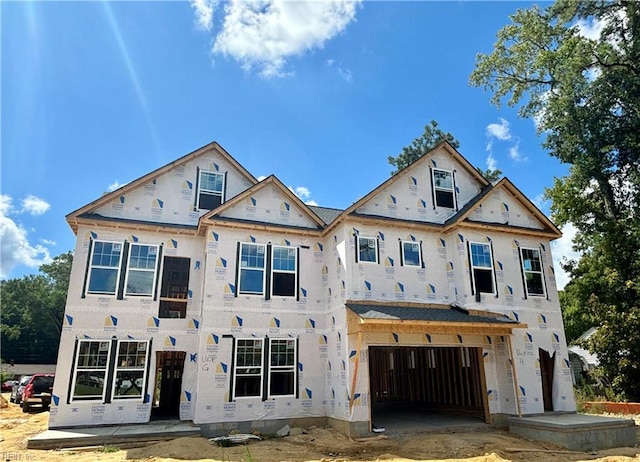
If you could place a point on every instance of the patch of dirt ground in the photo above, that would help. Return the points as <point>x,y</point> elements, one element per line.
<point>318,444</point>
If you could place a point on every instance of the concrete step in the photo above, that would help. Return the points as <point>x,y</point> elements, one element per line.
<point>112,435</point>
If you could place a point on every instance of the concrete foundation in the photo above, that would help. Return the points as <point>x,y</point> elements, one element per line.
<point>577,432</point>
<point>265,427</point>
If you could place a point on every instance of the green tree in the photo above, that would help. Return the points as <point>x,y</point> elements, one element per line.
<point>584,94</point>
<point>431,137</point>
<point>32,312</point>
<point>492,175</point>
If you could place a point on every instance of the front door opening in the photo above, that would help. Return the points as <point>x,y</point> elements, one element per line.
<point>443,380</point>
<point>168,385</point>
<point>546,373</point>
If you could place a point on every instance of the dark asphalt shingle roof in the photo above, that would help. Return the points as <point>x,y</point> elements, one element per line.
<point>326,214</point>
<point>406,313</point>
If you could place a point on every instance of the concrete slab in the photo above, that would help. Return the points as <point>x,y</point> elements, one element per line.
<point>406,420</point>
<point>112,435</point>
<point>577,432</point>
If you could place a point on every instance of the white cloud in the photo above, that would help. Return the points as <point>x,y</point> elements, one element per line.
<point>260,178</point>
<point>590,29</point>
<point>514,153</point>
<point>266,33</point>
<point>34,205</point>
<point>500,131</point>
<point>303,193</point>
<point>115,185</point>
<point>492,163</point>
<point>344,73</point>
<point>204,13</point>
<point>562,250</point>
<point>15,248</point>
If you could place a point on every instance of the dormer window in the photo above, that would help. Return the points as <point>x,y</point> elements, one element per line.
<point>210,190</point>
<point>443,188</point>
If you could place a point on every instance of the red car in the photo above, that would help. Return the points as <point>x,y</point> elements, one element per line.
<point>37,391</point>
<point>8,385</point>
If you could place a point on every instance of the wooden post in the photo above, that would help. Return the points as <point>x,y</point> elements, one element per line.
<point>515,376</point>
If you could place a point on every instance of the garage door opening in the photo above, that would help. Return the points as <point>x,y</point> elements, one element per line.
<point>427,384</point>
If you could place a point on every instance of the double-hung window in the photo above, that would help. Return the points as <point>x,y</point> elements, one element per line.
<point>284,263</point>
<point>104,267</point>
<point>130,370</point>
<point>367,249</point>
<point>481,267</point>
<point>106,369</point>
<point>90,373</point>
<point>282,367</point>
<point>532,271</point>
<point>122,269</point>
<point>411,255</point>
<point>210,190</point>
<point>252,268</point>
<point>141,269</point>
<point>247,379</point>
<point>251,371</point>
<point>443,188</point>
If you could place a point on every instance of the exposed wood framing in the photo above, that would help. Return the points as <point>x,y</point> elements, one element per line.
<point>432,377</point>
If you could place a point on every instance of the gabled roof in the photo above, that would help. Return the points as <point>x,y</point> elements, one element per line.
<point>463,215</point>
<point>271,180</point>
<point>425,158</point>
<point>72,218</point>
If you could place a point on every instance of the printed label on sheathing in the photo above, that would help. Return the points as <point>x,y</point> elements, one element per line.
<point>185,408</point>
<point>229,410</point>
<point>97,413</point>
<point>269,405</point>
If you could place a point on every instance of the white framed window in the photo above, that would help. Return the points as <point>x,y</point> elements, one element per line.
<point>367,249</point>
<point>104,267</point>
<point>90,371</point>
<point>411,255</point>
<point>141,270</point>
<point>443,188</point>
<point>532,271</point>
<point>251,268</point>
<point>284,271</point>
<point>481,267</point>
<point>130,373</point>
<point>282,366</point>
<point>248,368</point>
<point>210,190</point>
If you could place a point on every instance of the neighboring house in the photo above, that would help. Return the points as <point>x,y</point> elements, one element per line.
<point>582,360</point>
<point>198,293</point>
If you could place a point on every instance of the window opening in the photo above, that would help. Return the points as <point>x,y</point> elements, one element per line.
<point>284,271</point>
<point>90,372</point>
<point>130,373</point>
<point>411,253</point>
<point>248,368</point>
<point>141,269</point>
<point>482,267</point>
<point>282,367</point>
<point>210,190</point>
<point>443,188</point>
<point>367,249</point>
<point>252,268</point>
<point>104,271</point>
<point>174,291</point>
<point>532,269</point>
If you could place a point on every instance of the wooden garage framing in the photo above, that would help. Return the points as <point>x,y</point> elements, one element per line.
<point>445,377</point>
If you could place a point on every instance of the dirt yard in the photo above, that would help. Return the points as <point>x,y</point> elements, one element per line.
<point>317,444</point>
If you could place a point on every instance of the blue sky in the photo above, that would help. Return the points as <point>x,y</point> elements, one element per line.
<point>96,94</point>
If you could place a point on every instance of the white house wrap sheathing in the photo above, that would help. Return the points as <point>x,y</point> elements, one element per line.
<point>332,365</point>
